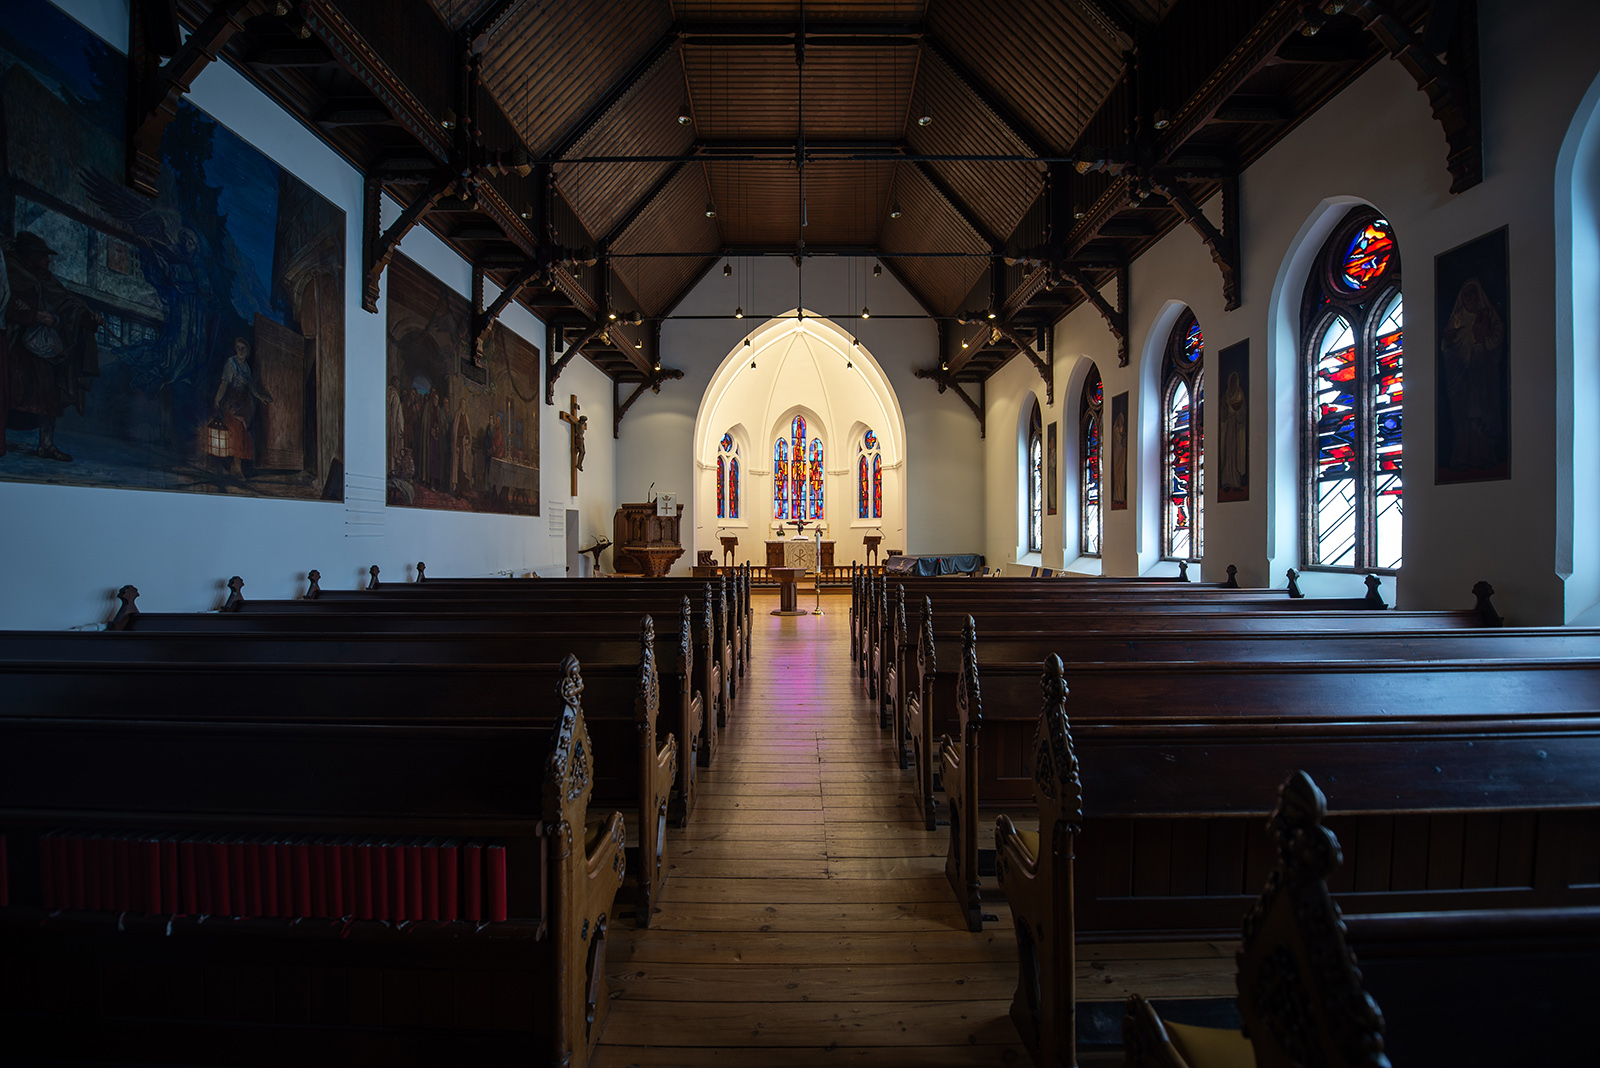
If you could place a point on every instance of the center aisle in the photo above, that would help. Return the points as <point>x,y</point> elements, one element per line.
<point>806,919</point>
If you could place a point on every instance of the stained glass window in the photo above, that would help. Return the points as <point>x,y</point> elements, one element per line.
<point>780,480</point>
<point>1353,336</point>
<point>1089,420</point>
<point>815,503</point>
<point>869,494</point>
<point>1182,446</point>
<point>1035,459</point>
<point>727,478</point>
<point>798,471</point>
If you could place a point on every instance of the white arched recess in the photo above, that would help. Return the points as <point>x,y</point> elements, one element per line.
<point>1026,556</point>
<point>1070,521</point>
<point>1577,240</point>
<point>802,367</point>
<point>1283,402</point>
<point>1144,493</point>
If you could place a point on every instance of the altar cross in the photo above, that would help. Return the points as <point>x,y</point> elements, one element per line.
<point>579,424</point>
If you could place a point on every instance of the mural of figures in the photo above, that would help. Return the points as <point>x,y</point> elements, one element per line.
<point>1119,452</point>
<point>1233,464</point>
<point>193,341</point>
<point>462,435</point>
<point>1474,425</point>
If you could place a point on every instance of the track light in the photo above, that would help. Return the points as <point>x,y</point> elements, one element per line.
<point>1077,211</point>
<point>639,344</point>
<point>684,118</point>
<point>894,212</point>
<point>877,270</point>
<point>738,313</point>
<point>727,270</point>
<point>711,210</point>
<point>448,119</point>
<point>527,213</point>
<point>963,342</point>
<point>866,313</point>
<point>925,120</point>
<point>1163,118</point>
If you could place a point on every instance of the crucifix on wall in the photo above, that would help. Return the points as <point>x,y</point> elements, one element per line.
<point>579,424</point>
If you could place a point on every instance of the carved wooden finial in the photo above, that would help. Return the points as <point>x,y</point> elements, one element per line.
<point>1233,578</point>
<point>422,569</point>
<point>314,589</point>
<point>567,778</point>
<point>1485,608</point>
<point>235,600</point>
<point>1374,598</point>
<point>1294,584</point>
<point>127,611</point>
<point>373,571</point>
<point>1055,762</point>
<point>969,705</point>
<point>1183,571</point>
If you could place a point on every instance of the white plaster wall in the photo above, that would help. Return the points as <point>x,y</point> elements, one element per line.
<point>944,503</point>
<point>64,550</point>
<point>1378,143</point>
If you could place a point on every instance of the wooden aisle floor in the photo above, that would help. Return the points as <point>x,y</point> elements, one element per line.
<point>806,919</point>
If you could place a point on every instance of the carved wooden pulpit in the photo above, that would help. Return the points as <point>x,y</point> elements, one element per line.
<point>646,544</point>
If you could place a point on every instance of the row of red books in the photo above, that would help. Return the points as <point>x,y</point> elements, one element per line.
<point>301,876</point>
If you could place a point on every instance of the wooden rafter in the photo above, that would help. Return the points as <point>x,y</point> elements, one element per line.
<point>613,96</point>
<point>380,246</point>
<point>157,87</point>
<point>554,366</point>
<point>483,317</point>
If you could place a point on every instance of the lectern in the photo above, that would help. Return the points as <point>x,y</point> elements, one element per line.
<point>646,544</point>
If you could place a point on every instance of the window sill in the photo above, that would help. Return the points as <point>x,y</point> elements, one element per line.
<point>1330,569</point>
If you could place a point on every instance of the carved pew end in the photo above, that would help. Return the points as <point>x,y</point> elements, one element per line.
<point>373,571</point>
<point>235,599</point>
<point>314,589</point>
<point>128,611</point>
<point>1485,607</point>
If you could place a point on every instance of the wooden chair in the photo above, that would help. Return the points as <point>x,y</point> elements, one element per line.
<point>1035,871</point>
<point>959,760</point>
<point>1300,992</point>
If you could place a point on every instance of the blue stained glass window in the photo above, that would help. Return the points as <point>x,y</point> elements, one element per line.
<point>869,495</point>
<point>815,503</point>
<point>1090,421</point>
<point>877,486</point>
<point>733,487</point>
<point>1182,447</point>
<point>722,504</point>
<point>861,488</point>
<point>727,478</point>
<point>780,480</point>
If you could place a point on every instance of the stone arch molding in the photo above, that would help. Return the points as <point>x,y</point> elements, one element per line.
<point>804,367</point>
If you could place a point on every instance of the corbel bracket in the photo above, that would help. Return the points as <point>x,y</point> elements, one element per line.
<point>157,87</point>
<point>483,318</point>
<point>1042,364</point>
<point>653,384</point>
<point>944,382</point>
<point>1451,84</point>
<point>554,366</point>
<point>380,247</point>
<point>1116,317</point>
<point>1224,243</point>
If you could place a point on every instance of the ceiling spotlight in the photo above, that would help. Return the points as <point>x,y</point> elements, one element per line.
<point>639,344</point>
<point>963,342</point>
<point>684,118</point>
<point>894,212</point>
<point>855,343</point>
<point>638,318</point>
<point>611,313</point>
<point>746,342</point>
<point>925,120</point>
<point>738,313</point>
<point>577,272</point>
<point>711,210</point>
<point>752,365</point>
<point>527,213</point>
<point>658,365</point>
<point>866,313</point>
<point>877,270</point>
<point>1077,211</point>
<point>847,364</point>
<point>448,119</point>
<point>1163,118</point>
<point>989,314</point>
<point>727,270</point>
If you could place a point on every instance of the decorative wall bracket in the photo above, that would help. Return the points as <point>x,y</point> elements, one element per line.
<point>554,366</point>
<point>156,87</point>
<point>379,248</point>
<point>1116,317</point>
<point>653,384</point>
<point>943,380</point>
<point>483,318</point>
<point>1223,243</point>
<point>1044,364</point>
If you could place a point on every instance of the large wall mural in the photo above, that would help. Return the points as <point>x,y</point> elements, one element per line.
<point>463,432</point>
<point>193,341</point>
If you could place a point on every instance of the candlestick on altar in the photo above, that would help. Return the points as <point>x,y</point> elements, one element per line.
<point>818,580</point>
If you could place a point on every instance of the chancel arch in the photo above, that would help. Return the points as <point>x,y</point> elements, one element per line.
<point>787,370</point>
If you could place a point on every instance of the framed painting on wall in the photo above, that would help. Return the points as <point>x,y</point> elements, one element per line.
<point>191,341</point>
<point>1050,469</point>
<point>1233,461</point>
<point>1119,452</point>
<point>463,434</point>
<point>1473,319</point>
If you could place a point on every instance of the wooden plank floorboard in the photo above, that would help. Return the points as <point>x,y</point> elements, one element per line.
<point>806,918</point>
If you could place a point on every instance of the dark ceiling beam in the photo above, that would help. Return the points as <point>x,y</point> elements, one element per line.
<point>631,216</point>
<point>945,380</point>
<point>789,252</point>
<point>476,30</point>
<point>654,377</point>
<point>971,218</point>
<point>553,366</point>
<point>379,245</point>
<point>816,32</point>
<point>1114,17</point>
<point>1021,130</point>
<point>619,89</point>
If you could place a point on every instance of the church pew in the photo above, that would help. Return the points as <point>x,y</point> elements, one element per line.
<point>63,674</point>
<point>547,598</point>
<point>1188,740</point>
<point>618,617</point>
<point>526,984</point>
<point>1049,877</point>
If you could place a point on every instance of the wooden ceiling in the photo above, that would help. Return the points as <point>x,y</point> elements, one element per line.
<point>611,152</point>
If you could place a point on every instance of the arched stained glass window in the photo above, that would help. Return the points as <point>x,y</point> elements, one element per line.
<point>1090,422</point>
<point>1035,460</point>
<point>814,497</point>
<point>799,471</point>
<point>1353,338</point>
<point>728,478</point>
<point>869,478</point>
<point>780,480</point>
<point>1182,447</point>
